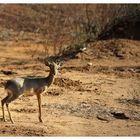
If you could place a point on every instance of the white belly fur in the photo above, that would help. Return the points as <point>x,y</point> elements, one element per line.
<point>31,92</point>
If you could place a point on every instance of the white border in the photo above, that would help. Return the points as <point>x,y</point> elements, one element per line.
<point>67,2</point>
<point>71,1</point>
<point>70,138</point>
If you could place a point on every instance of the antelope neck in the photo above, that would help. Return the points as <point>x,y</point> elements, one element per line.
<point>50,79</point>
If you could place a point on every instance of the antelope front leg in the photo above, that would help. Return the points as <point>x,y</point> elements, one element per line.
<point>2,104</point>
<point>3,113</point>
<point>9,113</point>
<point>39,105</point>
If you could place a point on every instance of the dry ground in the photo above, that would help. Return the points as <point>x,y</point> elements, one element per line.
<point>98,100</point>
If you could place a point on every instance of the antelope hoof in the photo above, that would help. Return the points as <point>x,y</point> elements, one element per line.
<point>40,120</point>
<point>12,121</point>
<point>3,119</point>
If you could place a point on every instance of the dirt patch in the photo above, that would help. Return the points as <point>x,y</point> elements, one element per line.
<point>25,110</point>
<point>22,131</point>
<point>92,110</point>
<point>135,102</point>
<point>125,71</point>
<point>55,91</point>
<point>67,83</point>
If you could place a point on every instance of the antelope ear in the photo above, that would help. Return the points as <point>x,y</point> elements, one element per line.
<point>47,63</point>
<point>59,64</point>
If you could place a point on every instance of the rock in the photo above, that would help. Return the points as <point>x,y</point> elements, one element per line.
<point>7,72</point>
<point>104,117</point>
<point>83,49</point>
<point>119,115</point>
<point>89,64</point>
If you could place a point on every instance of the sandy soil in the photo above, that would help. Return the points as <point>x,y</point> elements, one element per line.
<point>98,100</point>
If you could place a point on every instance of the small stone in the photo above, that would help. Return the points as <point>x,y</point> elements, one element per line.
<point>89,64</point>
<point>96,88</point>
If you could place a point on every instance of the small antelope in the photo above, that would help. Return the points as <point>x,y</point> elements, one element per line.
<point>18,86</point>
